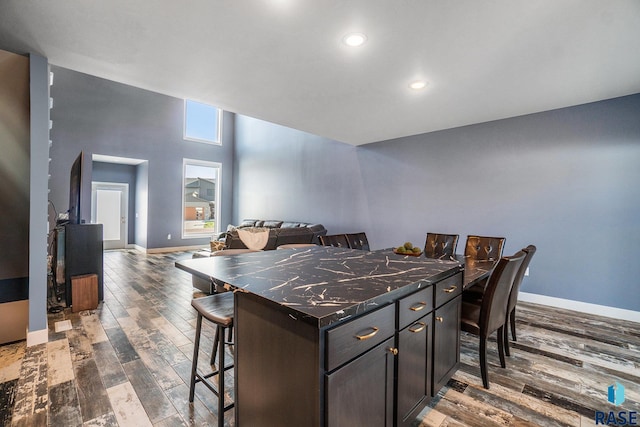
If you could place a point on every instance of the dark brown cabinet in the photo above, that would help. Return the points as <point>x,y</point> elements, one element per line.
<point>79,251</point>
<point>377,368</point>
<point>361,392</point>
<point>414,368</point>
<point>446,330</point>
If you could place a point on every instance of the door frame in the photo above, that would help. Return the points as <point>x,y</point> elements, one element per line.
<point>124,209</point>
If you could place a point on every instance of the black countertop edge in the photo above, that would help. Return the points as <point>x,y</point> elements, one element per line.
<point>354,311</point>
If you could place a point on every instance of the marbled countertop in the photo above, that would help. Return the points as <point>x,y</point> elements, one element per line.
<point>322,285</point>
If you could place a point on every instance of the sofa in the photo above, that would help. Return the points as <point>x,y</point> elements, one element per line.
<point>280,233</point>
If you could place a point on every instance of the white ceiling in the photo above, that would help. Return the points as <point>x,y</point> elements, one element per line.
<point>283,60</point>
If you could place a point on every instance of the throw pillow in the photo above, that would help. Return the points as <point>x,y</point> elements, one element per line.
<point>217,245</point>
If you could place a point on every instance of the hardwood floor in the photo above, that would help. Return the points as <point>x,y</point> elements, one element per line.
<point>128,363</point>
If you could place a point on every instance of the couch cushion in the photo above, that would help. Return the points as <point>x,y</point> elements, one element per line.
<point>247,223</point>
<point>272,224</point>
<point>290,225</point>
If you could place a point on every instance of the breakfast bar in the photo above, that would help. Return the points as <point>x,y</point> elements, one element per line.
<point>333,336</point>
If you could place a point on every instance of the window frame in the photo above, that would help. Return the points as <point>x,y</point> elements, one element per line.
<point>201,140</point>
<point>216,228</point>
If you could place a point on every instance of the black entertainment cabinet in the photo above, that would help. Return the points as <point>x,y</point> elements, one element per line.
<point>78,252</point>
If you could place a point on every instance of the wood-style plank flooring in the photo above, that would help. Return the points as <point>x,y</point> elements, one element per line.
<point>128,363</point>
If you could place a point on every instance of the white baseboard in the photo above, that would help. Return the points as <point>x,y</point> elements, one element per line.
<point>583,307</point>
<point>37,337</point>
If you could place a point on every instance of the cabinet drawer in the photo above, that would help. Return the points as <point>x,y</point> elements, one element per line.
<point>414,306</point>
<point>347,341</point>
<point>448,289</point>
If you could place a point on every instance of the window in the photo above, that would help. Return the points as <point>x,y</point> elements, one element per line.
<point>200,196</point>
<point>202,122</point>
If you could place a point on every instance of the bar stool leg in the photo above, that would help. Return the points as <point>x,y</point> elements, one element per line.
<point>214,351</point>
<point>216,340</point>
<point>194,365</point>
<point>220,335</point>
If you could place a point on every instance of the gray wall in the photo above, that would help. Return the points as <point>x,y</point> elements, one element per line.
<point>142,204</point>
<point>564,180</point>
<point>98,116</point>
<point>282,173</point>
<point>39,160</point>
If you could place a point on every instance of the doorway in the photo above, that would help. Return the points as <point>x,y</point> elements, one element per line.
<point>109,207</point>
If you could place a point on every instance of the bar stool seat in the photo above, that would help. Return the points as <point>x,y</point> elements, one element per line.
<point>218,309</point>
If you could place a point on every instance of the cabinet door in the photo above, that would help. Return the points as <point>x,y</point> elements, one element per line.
<point>361,392</point>
<point>446,342</point>
<point>414,368</point>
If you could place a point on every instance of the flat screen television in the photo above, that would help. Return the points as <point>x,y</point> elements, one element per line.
<point>75,190</point>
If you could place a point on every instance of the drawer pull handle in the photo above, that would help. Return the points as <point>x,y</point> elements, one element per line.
<point>393,351</point>
<point>440,319</point>
<point>451,289</point>
<point>419,328</point>
<point>369,335</point>
<point>419,306</point>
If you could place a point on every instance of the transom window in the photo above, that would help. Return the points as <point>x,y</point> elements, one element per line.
<point>202,122</point>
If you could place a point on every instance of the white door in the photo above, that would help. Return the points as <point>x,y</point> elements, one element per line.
<point>109,208</point>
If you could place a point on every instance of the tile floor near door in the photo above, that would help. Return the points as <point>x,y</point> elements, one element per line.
<point>128,363</point>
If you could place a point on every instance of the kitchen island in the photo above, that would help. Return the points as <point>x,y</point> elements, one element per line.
<point>332,336</point>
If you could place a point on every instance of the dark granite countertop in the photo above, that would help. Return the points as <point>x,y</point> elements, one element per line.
<point>322,285</point>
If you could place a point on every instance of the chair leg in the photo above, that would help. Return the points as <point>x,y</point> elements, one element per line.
<point>220,333</point>
<point>483,362</point>
<point>501,345</point>
<point>194,363</point>
<point>512,318</point>
<point>214,350</point>
<point>506,339</point>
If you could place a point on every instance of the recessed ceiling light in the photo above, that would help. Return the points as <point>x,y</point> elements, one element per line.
<point>418,85</point>
<point>354,39</point>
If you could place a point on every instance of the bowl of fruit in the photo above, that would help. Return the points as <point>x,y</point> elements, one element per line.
<point>408,249</point>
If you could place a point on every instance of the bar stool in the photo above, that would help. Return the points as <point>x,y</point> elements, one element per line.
<point>218,309</point>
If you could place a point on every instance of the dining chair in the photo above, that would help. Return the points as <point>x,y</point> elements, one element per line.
<point>337,240</point>
<point>513,298</point>
<point>358,241</point>
<point>440,246</point>
<point>481,248</point>
<point>489,315</point>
